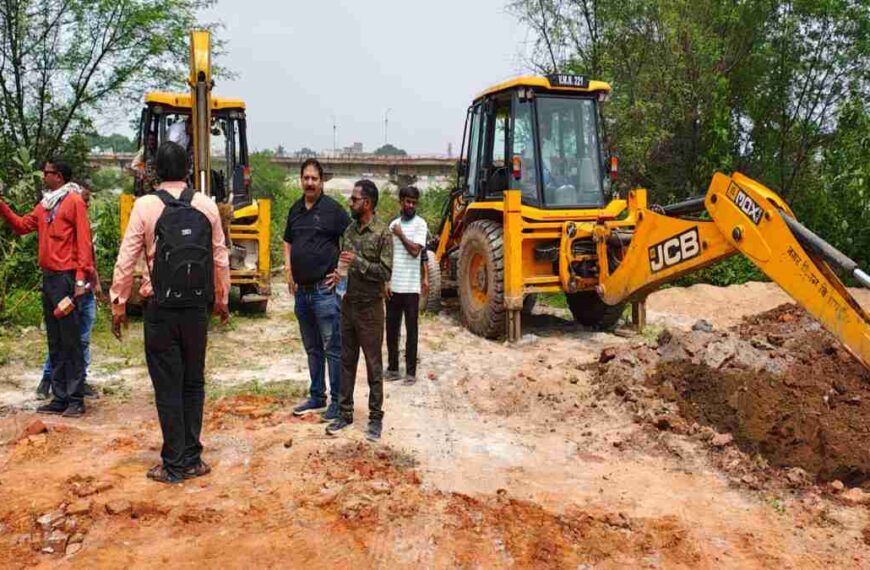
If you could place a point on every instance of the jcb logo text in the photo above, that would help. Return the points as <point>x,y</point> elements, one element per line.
<point>674,250</point>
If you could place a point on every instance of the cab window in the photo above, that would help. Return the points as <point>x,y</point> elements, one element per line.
<point>524,149</point>
<point>570,153</point>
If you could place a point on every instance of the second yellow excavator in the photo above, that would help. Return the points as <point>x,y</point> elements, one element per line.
<point>211,127</point>
<point>534,213</point>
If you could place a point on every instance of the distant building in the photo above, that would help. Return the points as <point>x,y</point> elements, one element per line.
<point>355,148</point>
<point>305,152</point>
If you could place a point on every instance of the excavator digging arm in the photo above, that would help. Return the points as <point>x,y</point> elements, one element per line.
<point>201,83</point>
<point>746,218</point>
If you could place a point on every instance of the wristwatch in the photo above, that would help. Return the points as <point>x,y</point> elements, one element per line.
<point>80,283</point>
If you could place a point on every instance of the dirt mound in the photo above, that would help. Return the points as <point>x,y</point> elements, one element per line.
<point>380,488</point>
<point>780,384</point>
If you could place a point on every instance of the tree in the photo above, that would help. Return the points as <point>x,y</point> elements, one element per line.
<point>390,150</point>
<point>111,143</point>
<point>61,61</point>
<point>711,84</point>
<point>775,89</point>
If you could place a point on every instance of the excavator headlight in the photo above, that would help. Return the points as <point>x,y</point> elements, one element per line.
<point>571,230</point>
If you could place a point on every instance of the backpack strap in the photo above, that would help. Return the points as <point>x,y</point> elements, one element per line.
<point>187,195</point>
<point>164,196</point>
<point>168,199</point>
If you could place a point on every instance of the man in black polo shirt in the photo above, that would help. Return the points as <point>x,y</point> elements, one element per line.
<point>315,224</point>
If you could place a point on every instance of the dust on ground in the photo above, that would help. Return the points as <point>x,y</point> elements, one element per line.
<point>499,456</point>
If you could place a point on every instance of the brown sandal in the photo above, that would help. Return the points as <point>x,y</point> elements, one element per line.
<point>198,470</point>
<point>161,475</point>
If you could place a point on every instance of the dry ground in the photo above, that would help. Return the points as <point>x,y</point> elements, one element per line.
<point>500,456</point>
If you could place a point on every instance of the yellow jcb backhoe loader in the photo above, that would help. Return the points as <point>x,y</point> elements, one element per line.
<point>201,119</point>
<point>533,213</point>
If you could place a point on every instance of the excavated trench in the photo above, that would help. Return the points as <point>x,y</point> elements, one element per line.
<point>781,385</point>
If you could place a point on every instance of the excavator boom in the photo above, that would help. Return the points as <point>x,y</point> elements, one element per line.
<point>201,84</point>
<point>747,218</point>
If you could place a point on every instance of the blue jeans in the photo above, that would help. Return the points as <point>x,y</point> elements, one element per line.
<point>87,310</point>
<point>318,311</point>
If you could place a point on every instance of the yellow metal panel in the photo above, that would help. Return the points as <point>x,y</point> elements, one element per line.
<point>544,83</point>
<point>612,210</point>
<point>662,249</point>
<point>247,211</point>
<point>126,208</point>
<point>261,230</point>
<point>200,56</point>
<point>182,101</point>
<point>513,250</point>
<point>265,218</point>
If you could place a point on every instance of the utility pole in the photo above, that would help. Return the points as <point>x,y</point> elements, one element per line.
<point>386,125</point>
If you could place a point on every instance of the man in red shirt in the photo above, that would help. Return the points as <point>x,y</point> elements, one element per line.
<point>67,261</point>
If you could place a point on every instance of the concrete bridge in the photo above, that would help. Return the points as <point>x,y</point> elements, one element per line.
<point>399,169</point>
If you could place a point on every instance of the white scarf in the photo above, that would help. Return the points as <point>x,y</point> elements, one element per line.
<point>51,198</point>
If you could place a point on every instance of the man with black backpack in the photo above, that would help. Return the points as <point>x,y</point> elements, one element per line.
<point>180,232</point>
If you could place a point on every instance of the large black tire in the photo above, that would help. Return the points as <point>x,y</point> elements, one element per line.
<point>589,310</point>
<point>529,303</point>
<point>431,303</point>
<point>481,278</point>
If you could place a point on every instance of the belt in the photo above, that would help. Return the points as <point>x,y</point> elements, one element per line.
<point>51,273</point>
<point>309,287</point>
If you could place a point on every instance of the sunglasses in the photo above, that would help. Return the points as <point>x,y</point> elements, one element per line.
<point>354,199</point>
<point>47,172</point>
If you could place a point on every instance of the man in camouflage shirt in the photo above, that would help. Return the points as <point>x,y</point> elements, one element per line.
<point>367,249</point>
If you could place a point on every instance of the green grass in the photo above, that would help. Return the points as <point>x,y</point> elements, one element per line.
<point>23,308</point>
<point>281,390</point>
<point>116,389</point>
<point>555,300</point>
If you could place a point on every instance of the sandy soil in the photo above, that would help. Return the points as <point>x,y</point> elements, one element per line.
<point>500,456</point>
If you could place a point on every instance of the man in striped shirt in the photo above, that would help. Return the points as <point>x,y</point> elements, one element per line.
<point>403,292</point>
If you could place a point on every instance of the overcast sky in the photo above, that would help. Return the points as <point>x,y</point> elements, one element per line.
<point>301,63</point>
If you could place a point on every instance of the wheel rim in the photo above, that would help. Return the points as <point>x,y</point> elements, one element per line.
<point>479,281</point>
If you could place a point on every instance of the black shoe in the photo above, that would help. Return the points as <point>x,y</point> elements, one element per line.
<point>53,407</point>
<point>373,432</point>
<point>199,470</point>
<point>91,392</point>
<point>392,376</point>
<point>43,391</point>
<point>337,426</point>
<point>162,475</point>
<point>74,411</point>
<point>309,407</point>
<point>331,414</point>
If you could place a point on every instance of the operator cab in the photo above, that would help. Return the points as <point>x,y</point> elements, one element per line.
<point>166,115</point>
<point>539,135</point>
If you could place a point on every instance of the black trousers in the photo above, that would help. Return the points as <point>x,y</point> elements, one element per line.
<point>362,327</point>
<point>64,338</point>
<point>175,343</point>
<point>407,304</point>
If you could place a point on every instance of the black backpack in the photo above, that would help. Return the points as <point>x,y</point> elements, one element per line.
<point>182,275</point>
